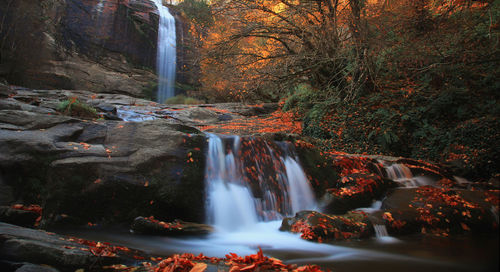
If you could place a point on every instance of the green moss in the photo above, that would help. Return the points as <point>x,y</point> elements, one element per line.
<point>76,108</point>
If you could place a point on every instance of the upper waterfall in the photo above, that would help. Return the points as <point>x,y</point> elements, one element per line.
<point>166,53</point>
<point>250,180</point>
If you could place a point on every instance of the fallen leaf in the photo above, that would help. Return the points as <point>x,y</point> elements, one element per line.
<point>464,226</point>
<point>199,267</point>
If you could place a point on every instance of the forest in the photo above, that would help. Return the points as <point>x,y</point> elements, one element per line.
<point>408,78</point>
<point>249,135</point>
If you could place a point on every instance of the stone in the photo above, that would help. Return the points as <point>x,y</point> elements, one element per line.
<point>17,216</point>
<point>35,268</point>
<point>72,165</point>
<point>323,227</point>
<point>6,193</point>
<point>441,210</point>
<point>37,250</point>
<point>353,191</point>
<point>19,244</point>
<point>149,225</point>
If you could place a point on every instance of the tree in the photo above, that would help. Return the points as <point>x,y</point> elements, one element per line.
<point>268,46</point>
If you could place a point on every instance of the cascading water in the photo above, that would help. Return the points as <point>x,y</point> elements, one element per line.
<point>166,53</point>
<point>250,180</point>
<point>380,231</point>
<point>403,175</point>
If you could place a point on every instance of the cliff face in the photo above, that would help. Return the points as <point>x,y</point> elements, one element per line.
<point>128,27</point>
<point>188,53</point>
<point>98,45</point>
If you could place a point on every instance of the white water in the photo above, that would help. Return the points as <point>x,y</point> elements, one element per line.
<point>376,206</point>
<point>166,54</point>
<point>380,231</point>
<point>232,206</point>
<point>494,212</point>
<point>133,115</point>
<point>244,222</point>
<point>401,174</point>
<point>382,235</point>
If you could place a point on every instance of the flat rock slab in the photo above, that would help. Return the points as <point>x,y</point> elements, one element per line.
<point>19,244</point>
<point>149,225</point>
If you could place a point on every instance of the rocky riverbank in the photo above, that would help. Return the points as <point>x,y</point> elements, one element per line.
<point>78,158</point>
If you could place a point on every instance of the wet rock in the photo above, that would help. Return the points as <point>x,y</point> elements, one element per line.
<point>439,210</point>
<point>6,193</point>
<point>355,191</point>
<point>18,217</point>
<point>35,268</point>
<point>422,168</point>
<point>322,227</point>
<point>319,168</point>
<point>19,244</point>
<point>72,165</point>
<point>22,248</point>
<point>196,115</point>
<point>149,225</point>
<point>494,182</point>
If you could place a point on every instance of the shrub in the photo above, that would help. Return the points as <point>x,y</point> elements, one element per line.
<point>75,107</point>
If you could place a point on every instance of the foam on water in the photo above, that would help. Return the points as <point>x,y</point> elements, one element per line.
<point>242,193</point>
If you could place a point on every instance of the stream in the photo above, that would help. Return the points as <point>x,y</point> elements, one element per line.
<point>408,253</point>
<point>252,184</point>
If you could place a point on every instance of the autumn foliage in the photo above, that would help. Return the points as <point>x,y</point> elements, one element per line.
<point>276,122</point>
<point>408,78</point>
<point>319,227</point>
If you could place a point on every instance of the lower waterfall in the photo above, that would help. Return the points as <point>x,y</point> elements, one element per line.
<point>250,180</point>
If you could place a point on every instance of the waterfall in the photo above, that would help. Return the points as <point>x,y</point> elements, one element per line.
<point>380,231</point>
<point>250,180</point>
<point>166,53</point>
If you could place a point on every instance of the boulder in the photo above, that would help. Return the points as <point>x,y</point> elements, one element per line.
<point>19,244</point>
<point>73,165</point>
<point>35,268</point>
<point>439,210</point>
<point>353,191</point>
<point>319,167</point>
<point>37,250</point>
<point>149,225</point>
<point>322,227</point>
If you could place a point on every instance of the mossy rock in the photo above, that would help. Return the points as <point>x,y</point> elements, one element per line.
<point>76,108</point>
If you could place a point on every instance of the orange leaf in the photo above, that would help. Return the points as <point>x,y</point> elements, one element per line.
<point>199,267</point>
<point>464,226</point>
<point>250,267</point>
